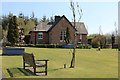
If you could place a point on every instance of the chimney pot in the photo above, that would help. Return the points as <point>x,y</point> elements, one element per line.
<point>57,18</point>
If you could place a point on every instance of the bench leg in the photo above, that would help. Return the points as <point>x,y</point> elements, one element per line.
<point>24,65</point>
<point>46,68</point>
<point>34,70</point>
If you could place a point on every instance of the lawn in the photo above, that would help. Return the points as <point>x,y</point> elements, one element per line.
<point>89,63</point>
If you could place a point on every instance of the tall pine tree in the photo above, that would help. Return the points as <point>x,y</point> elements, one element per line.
<point>51,19</point>
<point>13,31</point>
<point>44,19</point>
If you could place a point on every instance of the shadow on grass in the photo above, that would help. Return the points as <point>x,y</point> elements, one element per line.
<point>10,73</point>
<point>14,72</point>
<point>26,72</point>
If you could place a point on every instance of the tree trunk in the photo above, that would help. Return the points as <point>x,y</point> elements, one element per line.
<point>73,59</point>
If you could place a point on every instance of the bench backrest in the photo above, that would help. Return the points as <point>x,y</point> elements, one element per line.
<point>28,58</point>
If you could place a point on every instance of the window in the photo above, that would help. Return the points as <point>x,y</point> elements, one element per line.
<point>80,39</point>
<point>40,35</point>
<point>64,35</point>
<point>61,36</point>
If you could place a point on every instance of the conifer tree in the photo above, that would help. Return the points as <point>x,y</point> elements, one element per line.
<point>13,31</point>
<point>44,19</point>
<point>67,37</point>
<point>2,33</point>
<point>51,18</point>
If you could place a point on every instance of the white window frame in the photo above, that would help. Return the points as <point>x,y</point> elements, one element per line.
<point>40,33</point>
<point>64,35</point>
<point>80,38</point>
<point>60,36</point>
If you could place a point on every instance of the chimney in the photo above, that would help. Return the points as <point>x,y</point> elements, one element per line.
<point>57,18</point>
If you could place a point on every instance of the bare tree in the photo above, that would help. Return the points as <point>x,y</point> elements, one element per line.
<point>100,30</point>
<point>119,39</point>
<point>72,7</point>
<point>116,30</point>
<point>116,35</point>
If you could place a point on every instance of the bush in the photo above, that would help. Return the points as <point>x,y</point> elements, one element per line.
<point>40,45</point>
<point>8,44</point>
<point>27,39</point>
<point>58,46</point>
<point>84,46</point>
<point>89,47</point>
<point>81,46</point>
<point>99,41</point>
<point>95,44</point>
<point>48,46</point>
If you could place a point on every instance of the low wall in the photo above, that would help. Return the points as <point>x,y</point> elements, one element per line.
<point>115,46</point>
<point>109,46</point>
<point>13,51</point>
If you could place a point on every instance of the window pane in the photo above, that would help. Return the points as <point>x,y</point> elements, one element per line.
<point>40,35</point>
<point>64,35</point>
<point>61,34</point>
<point>80,39</point>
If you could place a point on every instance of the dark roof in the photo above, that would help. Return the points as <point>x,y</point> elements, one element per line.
<point>47,26</point>
<point>80,27</point>
<point>43,26</point>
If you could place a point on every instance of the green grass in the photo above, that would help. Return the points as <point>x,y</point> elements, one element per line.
<point>89,63</point>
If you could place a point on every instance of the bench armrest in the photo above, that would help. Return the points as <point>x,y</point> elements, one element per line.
<point>42,60</point>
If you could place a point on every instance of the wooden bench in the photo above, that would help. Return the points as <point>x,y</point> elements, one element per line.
<point>28,58</point>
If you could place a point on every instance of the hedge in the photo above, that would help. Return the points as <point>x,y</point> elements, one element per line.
<point>84,46</point>
<point>37,45</point>
<point>81,46</point>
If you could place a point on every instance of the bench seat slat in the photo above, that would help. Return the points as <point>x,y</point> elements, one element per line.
<point>38,64</point>
<point>40,71</point>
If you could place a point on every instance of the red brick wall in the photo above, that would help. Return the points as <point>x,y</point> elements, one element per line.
<point>84,38</point>
<point>77,38</point>
<point>41,41</point>
<point>54,34</point>
<point>32,37</point>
